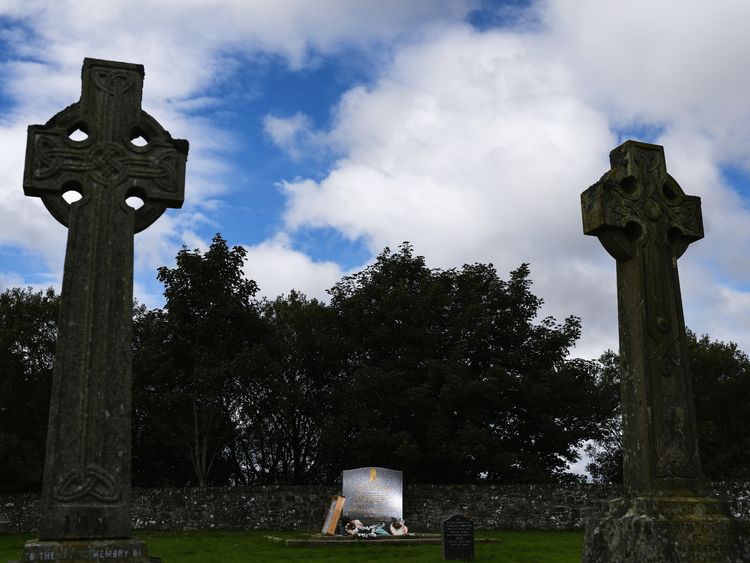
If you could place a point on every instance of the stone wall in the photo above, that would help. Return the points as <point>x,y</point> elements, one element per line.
<point>517,507</point>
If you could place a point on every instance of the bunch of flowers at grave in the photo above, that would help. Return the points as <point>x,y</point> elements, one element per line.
<point>357,528</point>
<point>398,528</point>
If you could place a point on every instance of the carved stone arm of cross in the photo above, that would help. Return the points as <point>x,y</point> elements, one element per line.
<point>637,202</point>
<point>110,116</point>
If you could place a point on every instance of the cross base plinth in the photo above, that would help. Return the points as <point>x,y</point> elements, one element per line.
<point>659,529</point>
<point>130,550</point>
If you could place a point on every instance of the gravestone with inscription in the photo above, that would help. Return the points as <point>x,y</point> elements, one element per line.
<point>645,221</point>
<point>458,538</point>
<point>106,148</point>
<point>373,494</point>
<point>4,523</point>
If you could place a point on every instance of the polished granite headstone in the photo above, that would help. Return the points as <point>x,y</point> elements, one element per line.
<point>373,494</point>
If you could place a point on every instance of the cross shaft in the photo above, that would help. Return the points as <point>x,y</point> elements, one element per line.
<point>645,221</point>
<point>86,491</point>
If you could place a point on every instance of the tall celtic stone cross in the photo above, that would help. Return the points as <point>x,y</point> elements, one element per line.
<point>86,491</point>
<point>645,221</point>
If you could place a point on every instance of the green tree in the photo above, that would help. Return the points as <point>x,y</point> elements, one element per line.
<point>449,377</point>
<point>286,399</point>
<point>28,330</point>
<point>605,453</point>
<point>721,388</point>
<point>186,367</point>
<point>160,457</point>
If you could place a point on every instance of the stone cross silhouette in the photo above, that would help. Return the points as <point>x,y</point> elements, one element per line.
<point>645,221</point>
<point>125,153</point>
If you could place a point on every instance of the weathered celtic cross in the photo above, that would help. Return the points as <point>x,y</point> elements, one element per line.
<point>645,221</point>
<point>125,153</point>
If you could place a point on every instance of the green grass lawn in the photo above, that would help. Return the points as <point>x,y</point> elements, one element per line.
<point>241,547</point>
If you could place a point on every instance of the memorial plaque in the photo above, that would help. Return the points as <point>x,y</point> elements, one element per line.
<point>333,515</point>
<point>373,493</point>
<point>458,538</point>
<point>114,551</point>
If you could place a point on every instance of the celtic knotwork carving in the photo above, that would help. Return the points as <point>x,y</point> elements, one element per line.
<point>638,194</point>
<point>91,482</point>
<point>50,158</point>
<point>107,163</point>
<point>667,353</point>
<point>620,208</point>
<point>676,452</point>
<point>166,167</point>
<point>686,215</point>
<point>107,160</point>
<point>113,82</point>
<point>649,161</point>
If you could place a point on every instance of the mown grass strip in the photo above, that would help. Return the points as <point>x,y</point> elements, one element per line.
<point>252,546</point>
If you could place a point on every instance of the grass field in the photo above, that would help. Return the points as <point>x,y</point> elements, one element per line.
<point>241,547</point>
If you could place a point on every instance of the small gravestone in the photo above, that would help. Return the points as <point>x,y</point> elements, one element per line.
<point>4,523</point>
<point>108,150</point>
<point>372,494</point>
<point>458,538</point>
<point>645,221</point>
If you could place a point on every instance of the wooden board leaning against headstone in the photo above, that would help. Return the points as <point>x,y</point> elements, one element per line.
<point>458,538</point>
<point>333,515</point>
<point>373,494</point>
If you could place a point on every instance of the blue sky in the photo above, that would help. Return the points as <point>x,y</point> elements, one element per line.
<point>323,131</point>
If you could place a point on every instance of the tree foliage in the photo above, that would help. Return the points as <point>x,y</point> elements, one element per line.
<point>449,375</point>
<point>721,385</point>
<point>285,404</point>
<point>28,329</point>
<point>186,360</point>
<point>605,453</point>
<point>450,379</point>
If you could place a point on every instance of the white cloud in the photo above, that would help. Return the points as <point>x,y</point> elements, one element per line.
<point>473,148</point>
<point>291,134</point>
<point>670,63</point>
<point>692,160</point>
<point>181,42</point>
<point>186,47</point>
<point>10,279</point>
<point>714,307</point>
<point>477,146</point>
<point>277,269</point>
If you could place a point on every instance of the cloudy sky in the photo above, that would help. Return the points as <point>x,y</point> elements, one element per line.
<point>323,131</point>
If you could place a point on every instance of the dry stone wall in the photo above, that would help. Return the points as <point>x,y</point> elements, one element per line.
<point>303,508</point>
